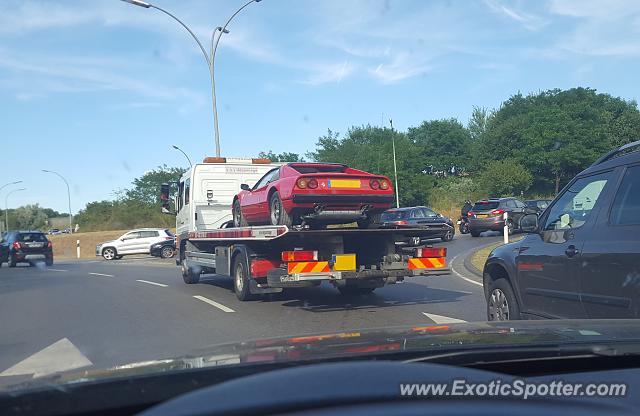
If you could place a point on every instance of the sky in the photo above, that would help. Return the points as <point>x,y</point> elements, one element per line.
<point>100,90</point>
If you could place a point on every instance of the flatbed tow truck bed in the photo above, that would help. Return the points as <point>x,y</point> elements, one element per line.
<point>268,259</point>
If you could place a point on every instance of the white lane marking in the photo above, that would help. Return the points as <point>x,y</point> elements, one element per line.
<point>101,274</point>
<point>213,303</point>
<point>461,276</point>
<point>151,283</point>
<point>439,319</point>
<point>57,270</point>
<point>59,356</point>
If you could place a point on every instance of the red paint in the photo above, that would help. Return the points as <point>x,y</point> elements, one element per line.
<point>260,267</point>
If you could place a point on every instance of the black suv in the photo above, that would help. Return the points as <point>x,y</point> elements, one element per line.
<point>25,247</point>
<point>581,257</point>
<point>488,215</point>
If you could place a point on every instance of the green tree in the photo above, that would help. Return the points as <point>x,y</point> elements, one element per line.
<point>371,149</point>
<point>442,144</point>
<point>477,125</point>
<point>282,157</point>
<point>28,217</point>
<point>555,134</point>
<point>505,178</point>
<point>147,187</point>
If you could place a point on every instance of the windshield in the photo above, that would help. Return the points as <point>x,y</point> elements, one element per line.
<point>181,175</point>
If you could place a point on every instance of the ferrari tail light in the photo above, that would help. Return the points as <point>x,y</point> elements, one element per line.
<point>312,183</point>
<point>374,184</point>
<point>16,245</point>
<point>497,212</point>
<point>384,185</point>
<point>299,255</point>
<point>431,252</point>
<point>301,183</point>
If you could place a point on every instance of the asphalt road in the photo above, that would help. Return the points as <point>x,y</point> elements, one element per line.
<point>111,313</point>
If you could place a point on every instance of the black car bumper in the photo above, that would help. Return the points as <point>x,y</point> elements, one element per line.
<point>337,199</point>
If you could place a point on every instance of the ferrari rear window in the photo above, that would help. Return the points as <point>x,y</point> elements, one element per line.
<point>394,215</point>
<point>319,168</point>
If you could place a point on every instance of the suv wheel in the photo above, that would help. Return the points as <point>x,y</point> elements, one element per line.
<point>475,233</point>
<point>510,227</point>
<point>501,302</point>
<point>109,253</point>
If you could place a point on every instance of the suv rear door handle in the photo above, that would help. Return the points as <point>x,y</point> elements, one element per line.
<point>571,251</point>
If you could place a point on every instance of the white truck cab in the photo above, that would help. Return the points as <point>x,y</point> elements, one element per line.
<point>206,191</point>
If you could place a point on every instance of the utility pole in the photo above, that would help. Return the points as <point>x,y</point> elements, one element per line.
<point>395,168</point>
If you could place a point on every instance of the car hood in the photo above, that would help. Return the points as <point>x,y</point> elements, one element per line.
<point>107,242</point>
<point>358,344</point>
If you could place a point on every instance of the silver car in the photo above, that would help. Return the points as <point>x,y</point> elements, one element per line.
<point>133,242</point>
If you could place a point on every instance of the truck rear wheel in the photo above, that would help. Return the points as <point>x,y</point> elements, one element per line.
<point>189,274</point>
<point>355,291</point>
<point>241,279</point>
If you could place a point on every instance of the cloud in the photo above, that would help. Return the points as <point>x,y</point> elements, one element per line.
<point>528,21</point>
<point>74,74</point>
<point>330,73</point>
<point>401,67</point>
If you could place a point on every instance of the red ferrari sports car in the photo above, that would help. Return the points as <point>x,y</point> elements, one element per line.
<point>314,194</point>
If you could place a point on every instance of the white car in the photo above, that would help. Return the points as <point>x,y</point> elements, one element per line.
<point>133,242</point>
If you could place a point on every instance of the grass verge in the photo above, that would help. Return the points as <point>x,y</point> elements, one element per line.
<point>64,245</point>
<point>479,257</point>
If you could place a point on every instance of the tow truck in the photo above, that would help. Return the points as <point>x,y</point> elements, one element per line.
<point>268,259</point>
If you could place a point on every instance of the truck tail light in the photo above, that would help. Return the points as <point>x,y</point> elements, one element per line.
<point>16,245</point>
<point>299,255</point>
<point>431,252</point>
<point>384,185</point>
<point>497,212</point>
<point>312,183</point>
<point>374,184</point>
<point>301,183</point>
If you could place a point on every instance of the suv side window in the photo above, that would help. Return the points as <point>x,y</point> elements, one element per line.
<point>510,203</point>
<point>626,205</point>
<point>131,236</point>
<point>519,204</point>
<point>573,208</point>
<point>147,234</point>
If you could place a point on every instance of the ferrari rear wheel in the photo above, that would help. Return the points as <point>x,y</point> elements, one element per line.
<point>277,213</point>
<point>238,219</point>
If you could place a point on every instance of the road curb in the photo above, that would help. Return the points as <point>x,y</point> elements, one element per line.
<point>469,266</point>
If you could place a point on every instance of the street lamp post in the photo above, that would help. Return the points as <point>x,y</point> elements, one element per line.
<point>395,169</point>
<point>214,48</point>
<point>208,57</point>
<point>68,197</point>
<point>6,207</point>
<point>4,186</point>
<point>185,155</point>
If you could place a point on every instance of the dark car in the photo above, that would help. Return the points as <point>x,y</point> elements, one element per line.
<point>488,215</point>
<point>538,204</point>
<point>581,257</point>
<point>164,249</point>
<point>422,217</point>
<point>25,247</point>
